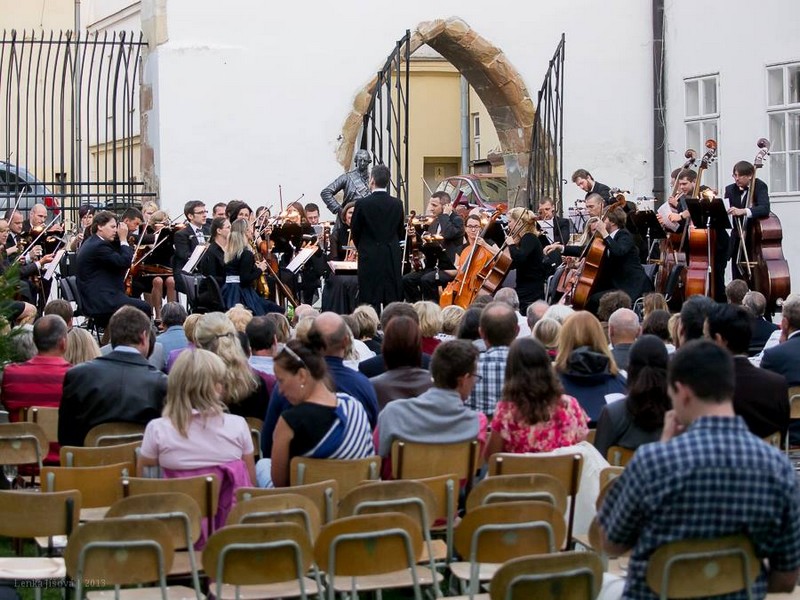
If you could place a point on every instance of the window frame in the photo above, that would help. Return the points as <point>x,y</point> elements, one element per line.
<point>783,110</point>
<point>712,176</point>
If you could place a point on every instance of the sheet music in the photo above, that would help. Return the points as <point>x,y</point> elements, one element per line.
<point>665,210</point>
<point>195,257</point>
<point>51,266</point>
<point>301,258</point>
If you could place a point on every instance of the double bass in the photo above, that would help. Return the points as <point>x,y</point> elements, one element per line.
<point>591,265</point>
<point>701,242</point>
<point>764,266</point>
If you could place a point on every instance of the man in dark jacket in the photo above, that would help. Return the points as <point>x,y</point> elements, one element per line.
<point>377,227</point>
<point>121,386</point>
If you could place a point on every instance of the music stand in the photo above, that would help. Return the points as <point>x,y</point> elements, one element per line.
<point>708,214</point>
<point>647,223</point>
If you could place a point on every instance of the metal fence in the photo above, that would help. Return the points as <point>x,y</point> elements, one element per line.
<point>71,115</point>
<point>384,132</point>
<point>545,172</point>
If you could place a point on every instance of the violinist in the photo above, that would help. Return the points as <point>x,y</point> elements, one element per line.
<point>242,270</point>
<point>556,229</point>
<point>594,209</point>
<point>621,267</point>
<point>236,209</point>
<point>37,219</point>
<point>188,238</point>
<point>155,277</point>
<point>30,259</point>
<point>31,267</point>
<point>423,284</point>
<point>212,265</point>
<point>527,256</point>
<point>340,234</point>
<point>744,207</point>
<point>85,216</point>
<point>341,288</point>
<point>290,236</point>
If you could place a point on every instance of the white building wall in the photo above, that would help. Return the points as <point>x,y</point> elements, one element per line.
<point>737,40</point>
<point>249,95</point>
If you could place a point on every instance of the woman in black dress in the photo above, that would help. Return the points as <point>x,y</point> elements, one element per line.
<point>527,256</point>
<point>243,271</point>
<point>212,265</point>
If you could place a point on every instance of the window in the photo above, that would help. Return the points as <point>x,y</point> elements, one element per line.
<point>476,136</point>
<point>783,113</point>
<point>702,120</point>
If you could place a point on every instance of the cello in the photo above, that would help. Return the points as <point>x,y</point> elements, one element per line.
<point>588,273</point>
<point>701,242</point>
<point>764,266</point>
<point>462,290</point>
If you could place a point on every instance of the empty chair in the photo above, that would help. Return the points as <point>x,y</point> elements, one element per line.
<point>99,486</point>
<point>618,456</point>
<point>414,460</point>
<point>46,417</point>
<point>261,561</point>
<point>279,508</point>
<point>22,444</point>
<point>510,488</point>
<point>324,494</point>
<point>109,434</point>
<point>573,575</point>
<point>347,472</point>
<point>96,456</point>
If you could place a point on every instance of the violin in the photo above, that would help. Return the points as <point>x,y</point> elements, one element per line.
<point>413,257</point>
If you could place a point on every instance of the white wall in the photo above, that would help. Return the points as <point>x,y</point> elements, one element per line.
<point>738,42</point>
<point>250,95</point>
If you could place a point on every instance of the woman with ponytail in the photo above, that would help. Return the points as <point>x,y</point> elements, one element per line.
<point>639,418</point>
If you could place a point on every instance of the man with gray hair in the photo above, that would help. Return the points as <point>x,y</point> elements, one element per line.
<point>510,297</point>
<point>535,312</point>
<point>756,303</point>
<point>173,337</point>
<point>354,184</point>
<point>623,329</point>
<point>784,358</point>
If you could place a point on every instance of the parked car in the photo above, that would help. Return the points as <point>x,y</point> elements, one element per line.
<point>15,179</point>
<point>485,191</point>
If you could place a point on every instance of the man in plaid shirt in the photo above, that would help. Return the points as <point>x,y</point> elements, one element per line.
<point>498,328</point>
<point>709,477</point>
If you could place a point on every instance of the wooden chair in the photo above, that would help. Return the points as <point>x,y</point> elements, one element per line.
<point>492,534</point>
<point>31,514</point>
<point>445,490</point>
<point>98,456</point>
<point>566,468</point>
<point>573,575</point>
<point>255,426</point>
<point>99,486</point>
<point>111,434</point>
<point>181,514</point>
<point>122,552</point>
<point>349,473</point>
<point>278,508</point>
<point>261,561</point>
<point>371,552</point>
<point>609,473</point>
<point>413,460</point>
<point>703,567</point>
<point>22,444</point>
<point>618,456</point>
<point>47,418</point>
<point>794,410</point>
<point>204,489</point>
<point>324,494</point>
<point>510,488</point>
<point>409,497</point>
<point>591,435</point>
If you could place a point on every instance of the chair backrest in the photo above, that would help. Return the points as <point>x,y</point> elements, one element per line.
<point>564,467</point>
<point>409,497</point>
<point>44,514</point>
<point>703,567</point>
<point>324,494</point>
<point>178,511</point>
<point>794,402</point>
<point>99,486</point>
<point>96,456</point>
<point>413,460</point>
<point>591,435</point>
<point>190,286</point>
<point>368,545</point>
<point>47,418</point>
<point>111,434</point>
<point>573,575</point>
<point>66,289</point>
<point>483,534</point>
<point>510,488</point>
<point>349,473</point>
<point>255,424</point>
<point>280,508</point>
<point>609,473</point>
<point>94,552</point>
<point>618,456</point>
<point>22,444</point>
<point>257,554</point>
<point>204,489</point>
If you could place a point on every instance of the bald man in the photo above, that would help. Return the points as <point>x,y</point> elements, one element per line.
<point>335,337</point>
<point>623,329</point>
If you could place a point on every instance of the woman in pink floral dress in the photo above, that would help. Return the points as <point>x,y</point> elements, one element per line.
<point>534,414</point>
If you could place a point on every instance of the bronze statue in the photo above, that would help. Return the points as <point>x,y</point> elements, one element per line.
<point>353,184</point>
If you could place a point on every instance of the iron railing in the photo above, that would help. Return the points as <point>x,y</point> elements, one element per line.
<point>545,172</point>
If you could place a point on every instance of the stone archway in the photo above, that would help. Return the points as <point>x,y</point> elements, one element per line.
<point>498,84</point>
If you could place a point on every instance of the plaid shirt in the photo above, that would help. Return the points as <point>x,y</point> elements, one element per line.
<point>492,372</point>
<point>716,479</point>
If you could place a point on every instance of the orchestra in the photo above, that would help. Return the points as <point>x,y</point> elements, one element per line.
<point>449,255</point>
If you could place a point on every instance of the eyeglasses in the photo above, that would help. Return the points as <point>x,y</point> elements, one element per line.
<point>473,227</point>
<point>477,377</point>
<point>200,212</point>
<point>293,354</point>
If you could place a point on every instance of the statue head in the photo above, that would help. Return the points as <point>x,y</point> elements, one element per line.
<point>362,160</point>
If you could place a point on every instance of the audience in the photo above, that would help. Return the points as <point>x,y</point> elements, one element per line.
<point>784,358</point>
<point>430,324</point>
<point>189,327</point>
<point>82,346</point>
<point>548,332</point>
<point>240,316</point>
<point>62,308</point>
<point>402,352</point>
<point>469,328</point>
<point>318,423</point>
<point>535,312</point>
<point>694,313</point>
<point>368,324</point>
<point>534,414</point>
<point>651,302</point>
<point>623,329</point>
<point>735,291</point>
<point>657,323</point>
<point>510,297</point>
<point>375,366</point>
<point>263,344</point>
<point>451,321</point>
<point>559,312</point>
<point>756,303</point>
<point>283,332</point>
<point>639,417</point>
<point>585,364</point>
<point>173,316</point>
<point>611,302</point>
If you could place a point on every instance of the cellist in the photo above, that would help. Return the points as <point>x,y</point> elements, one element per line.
<point>744,207</point>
